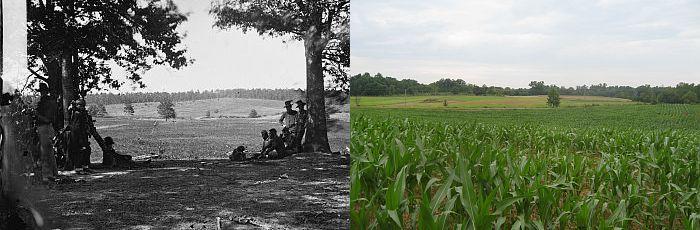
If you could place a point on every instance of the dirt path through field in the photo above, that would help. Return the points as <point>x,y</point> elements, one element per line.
<point>109,126</point>
<point>307,190</point>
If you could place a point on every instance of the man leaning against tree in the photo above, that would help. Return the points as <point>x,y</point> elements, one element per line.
<point>47,108</point>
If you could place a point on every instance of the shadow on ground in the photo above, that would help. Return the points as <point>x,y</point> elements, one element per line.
<point>308,190</point>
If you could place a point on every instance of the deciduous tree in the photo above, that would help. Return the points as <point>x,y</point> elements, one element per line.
<point>166,110</point>
<point>690,97</point>
<point>71,43</point>
<point>553,99</point>
<point>128,108</point>
<point>323,26</point>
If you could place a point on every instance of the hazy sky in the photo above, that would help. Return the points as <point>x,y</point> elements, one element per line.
<point>228,59</point>
<point>223,59</point>
<point>510,43</point>
<point>14,46</point>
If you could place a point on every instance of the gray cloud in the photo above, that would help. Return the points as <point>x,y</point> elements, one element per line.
<point>513,42</point>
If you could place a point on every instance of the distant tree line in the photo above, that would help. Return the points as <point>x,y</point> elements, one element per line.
<point>378,85</point>
<point>121,98</point>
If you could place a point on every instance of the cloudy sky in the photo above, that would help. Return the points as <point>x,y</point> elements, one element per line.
<point>228,59</point>
<point>510,43</point>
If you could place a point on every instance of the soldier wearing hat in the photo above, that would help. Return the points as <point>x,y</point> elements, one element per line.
<point>46,111</point>
<point>289,117</point>
<point>79,131</point>
<point>300,127</point>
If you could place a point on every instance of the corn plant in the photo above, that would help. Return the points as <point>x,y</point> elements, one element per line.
<point>413,173</point>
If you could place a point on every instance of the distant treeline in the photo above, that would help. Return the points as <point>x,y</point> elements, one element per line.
<point>378,85</point>
<point>269,94</point>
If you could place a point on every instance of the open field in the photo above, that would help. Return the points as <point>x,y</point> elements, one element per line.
<point>230,107</point>
<point>462,101</point>
<point>193,182</point>
<point>646,117</point>
<point>602,167</point>
<point>191,136</point>
<point>196,138</point>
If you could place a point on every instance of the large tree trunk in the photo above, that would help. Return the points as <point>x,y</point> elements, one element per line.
<point>10,180</point>
<point>53,69</point>
<point>68,84</point>
<point>316,130</point>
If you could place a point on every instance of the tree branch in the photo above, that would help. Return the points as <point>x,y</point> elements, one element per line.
<point>37,75</point>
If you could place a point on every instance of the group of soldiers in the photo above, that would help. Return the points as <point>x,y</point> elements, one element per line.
<point>66,147</point>
<point>289,141</point>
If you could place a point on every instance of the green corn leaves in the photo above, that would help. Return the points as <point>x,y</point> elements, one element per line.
<point>394,197</point>
<point>417,174</point>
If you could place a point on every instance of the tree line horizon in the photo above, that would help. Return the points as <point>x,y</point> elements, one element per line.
<point>108,98</point>
<point>192,95</point>
<point>378,85</point>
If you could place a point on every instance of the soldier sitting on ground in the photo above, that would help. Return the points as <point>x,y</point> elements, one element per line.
<point>266,138</point>
<point>287,137</point>
<point>238,154</point>
<point>275,144</point>
<point>118,160</point>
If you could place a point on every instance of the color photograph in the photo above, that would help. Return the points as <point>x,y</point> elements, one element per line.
<point>525,115</point>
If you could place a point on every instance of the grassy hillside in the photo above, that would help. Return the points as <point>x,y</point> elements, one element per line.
<point>194,139</point>
<point>191,138</point>
<point>462,101</point>
<point>235,107</point>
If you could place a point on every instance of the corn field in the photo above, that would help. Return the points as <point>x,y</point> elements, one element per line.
<point>418,174</point>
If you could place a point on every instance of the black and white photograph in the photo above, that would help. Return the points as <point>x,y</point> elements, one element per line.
<point>175,114</point>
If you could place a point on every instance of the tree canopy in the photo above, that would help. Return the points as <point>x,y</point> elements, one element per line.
<point>136,35</point>
<point>192,95</point>
<point>553,99</point>
<point>323,26</point>
<point>165,109</point>
<point>295,19</point>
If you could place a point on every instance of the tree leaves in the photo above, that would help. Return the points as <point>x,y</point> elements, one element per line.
<point>297,19</point>
<point>135,36</point>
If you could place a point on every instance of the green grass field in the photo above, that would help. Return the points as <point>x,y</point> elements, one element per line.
<point>624,165</point>
<point>470,102</point>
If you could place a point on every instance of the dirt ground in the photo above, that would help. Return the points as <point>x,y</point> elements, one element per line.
<point>194,186</point>
<point>304,191</point>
